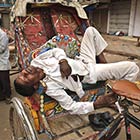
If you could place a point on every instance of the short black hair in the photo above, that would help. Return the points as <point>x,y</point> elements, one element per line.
<point>24,90</point>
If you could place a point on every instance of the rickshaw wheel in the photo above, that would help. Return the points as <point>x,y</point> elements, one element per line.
<point>21,122</point>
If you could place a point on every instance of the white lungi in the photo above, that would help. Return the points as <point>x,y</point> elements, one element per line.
<point>92,45</point>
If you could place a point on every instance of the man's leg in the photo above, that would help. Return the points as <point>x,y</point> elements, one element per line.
<point>2,97</point>
<point>101,58</point>
<point>5,83</point>
<point>92,45</point>
<point>119,70</point>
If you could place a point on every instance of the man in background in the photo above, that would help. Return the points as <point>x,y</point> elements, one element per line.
<point>5,88</point>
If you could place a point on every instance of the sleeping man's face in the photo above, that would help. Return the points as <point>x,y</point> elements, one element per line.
<point>30,76</point>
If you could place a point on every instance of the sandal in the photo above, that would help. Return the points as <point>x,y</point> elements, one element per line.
<point>100,121</point>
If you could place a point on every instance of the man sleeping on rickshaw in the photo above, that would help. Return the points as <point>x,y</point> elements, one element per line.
<point>59,72</point>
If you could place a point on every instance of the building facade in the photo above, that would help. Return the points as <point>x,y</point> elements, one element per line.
<point>4,12</point>
<point>116,15</point>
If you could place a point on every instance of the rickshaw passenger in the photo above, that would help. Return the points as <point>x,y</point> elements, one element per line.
<point>60,72</point>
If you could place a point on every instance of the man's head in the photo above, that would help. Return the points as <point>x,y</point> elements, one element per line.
<point>28,79</point>
<point>24,90</point>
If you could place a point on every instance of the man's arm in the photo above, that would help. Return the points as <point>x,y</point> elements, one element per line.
<point>69,104</point>
<point>65,68</point>
<point>81,107</point>
<point>60,55</point>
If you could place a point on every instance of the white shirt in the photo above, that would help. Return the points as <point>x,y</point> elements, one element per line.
<point>92,44</point>
<point>4,51</point>
<point>49,62</point>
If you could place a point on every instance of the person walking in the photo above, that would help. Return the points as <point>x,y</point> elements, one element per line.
<point>5,88</point>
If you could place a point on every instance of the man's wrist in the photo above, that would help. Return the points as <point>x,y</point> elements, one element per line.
<point>96,105</point>
<point>100,102</point>
<point>62,60</point>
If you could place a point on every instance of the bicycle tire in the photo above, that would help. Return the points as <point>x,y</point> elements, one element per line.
<point>21,122</point>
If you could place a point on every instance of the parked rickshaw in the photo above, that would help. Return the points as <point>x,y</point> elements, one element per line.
<point>35,23</point>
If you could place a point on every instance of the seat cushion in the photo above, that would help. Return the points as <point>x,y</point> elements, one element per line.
<point>70,45</point>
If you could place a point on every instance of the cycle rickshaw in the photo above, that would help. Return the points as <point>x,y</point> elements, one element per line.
<point>35,23</point>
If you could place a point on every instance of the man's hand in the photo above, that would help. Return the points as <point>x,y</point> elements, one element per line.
<point>65,68</point>
<point>105,100</point>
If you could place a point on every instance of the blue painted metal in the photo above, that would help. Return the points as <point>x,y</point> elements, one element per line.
<point>5,5</point>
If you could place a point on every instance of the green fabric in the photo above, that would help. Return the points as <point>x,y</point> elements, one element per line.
<point>68,44</point>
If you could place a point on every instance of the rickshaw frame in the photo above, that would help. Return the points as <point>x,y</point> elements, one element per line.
<point>21,111</point>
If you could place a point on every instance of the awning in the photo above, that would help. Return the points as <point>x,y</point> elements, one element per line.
<point>20,7</point>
